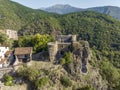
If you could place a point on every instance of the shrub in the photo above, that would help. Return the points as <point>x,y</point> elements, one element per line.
<point>66,81</point>
<point>68,57</point>
<point>8,80</point>
<point>62,61</point>
<point>41,82</point>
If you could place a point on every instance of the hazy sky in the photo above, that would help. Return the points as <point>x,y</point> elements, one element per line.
<point>77,3</point>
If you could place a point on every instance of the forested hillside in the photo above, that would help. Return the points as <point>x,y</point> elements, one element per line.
<point>98,29</point>
<point>15,16</point>
<point>101,31</point>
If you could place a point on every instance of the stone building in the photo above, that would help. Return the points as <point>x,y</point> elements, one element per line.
<point>23,54</point>
<point>62,45</point>
<point>12,34</point>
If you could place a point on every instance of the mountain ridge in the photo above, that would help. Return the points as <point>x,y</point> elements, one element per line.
<point>61,9</point>
<point>113,11</point>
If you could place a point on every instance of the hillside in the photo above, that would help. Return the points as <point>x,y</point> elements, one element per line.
<point>86,25</point>
<point>109,10</point>
<point>65,9</point>
<point>15,16</point>
<point>100,30</point>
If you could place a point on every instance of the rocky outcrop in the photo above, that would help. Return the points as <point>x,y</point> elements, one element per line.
<point>82,72</point>
<point>81,55</point>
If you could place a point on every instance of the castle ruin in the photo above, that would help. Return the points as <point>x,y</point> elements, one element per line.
<point>62,45</point>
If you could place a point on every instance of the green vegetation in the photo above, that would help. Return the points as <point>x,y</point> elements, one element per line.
<point>41,82</point>
<point>67,59</point>
<point>38,42</point>
<point>62,61</point>
<point>65,81</point>
<point>3,38</point>
<point>5,41</point>
<point>15,16</point>
<point>108,71</point>
<point>34,76</point>
<point>30,74</point>
<point>8,80</point>
<point>101,31</point>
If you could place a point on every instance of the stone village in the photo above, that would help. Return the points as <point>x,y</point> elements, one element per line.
<point>56,50</point>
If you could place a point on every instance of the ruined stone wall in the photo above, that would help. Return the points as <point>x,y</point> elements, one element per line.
<point>62,49</point>
<point>12,34</point>
<point>53,48</point>
<point>58,49</point>
<point>65,38</point>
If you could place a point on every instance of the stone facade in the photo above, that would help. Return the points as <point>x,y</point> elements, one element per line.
<point>62,45</point>
<point>68,43</point>
<point>12,34</point>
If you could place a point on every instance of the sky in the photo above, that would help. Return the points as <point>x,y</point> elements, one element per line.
<point>35,4</point>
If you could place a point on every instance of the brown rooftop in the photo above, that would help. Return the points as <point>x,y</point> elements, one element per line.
<point>23,50</point>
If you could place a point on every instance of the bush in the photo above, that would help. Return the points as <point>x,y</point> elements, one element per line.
<point>67,59</point>
<point>41,82</point>
<point>8,80</point>
<point>28,73</point>
<point>62,61</point>
<point>66,81</point>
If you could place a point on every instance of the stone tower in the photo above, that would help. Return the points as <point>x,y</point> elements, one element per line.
<point>73,38</point>
<point>53,48</point>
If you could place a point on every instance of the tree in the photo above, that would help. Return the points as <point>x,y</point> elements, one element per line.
<point>68,58</point>
<point>5,41</point>
<point>110,73</point>
<point>40,42</point>
<point>3,38</point>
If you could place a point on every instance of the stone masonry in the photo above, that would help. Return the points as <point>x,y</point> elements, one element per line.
<point>62,45</point>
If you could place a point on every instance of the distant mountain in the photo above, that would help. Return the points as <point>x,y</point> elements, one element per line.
<point>109,10</point>
<point>100,30</point>
<point>61,9</point>
<point>65,9</point>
